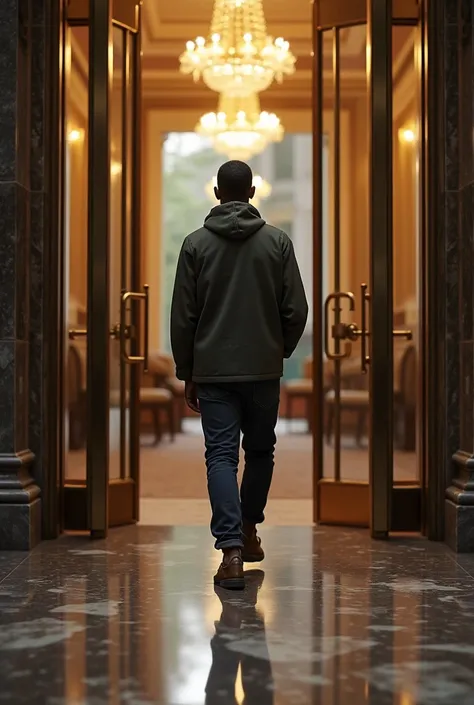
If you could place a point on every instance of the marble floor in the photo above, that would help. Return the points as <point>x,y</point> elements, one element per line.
<point>330,618</point>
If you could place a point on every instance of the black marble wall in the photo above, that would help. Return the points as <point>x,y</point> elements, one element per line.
<point>38,203</point>
<point>459,159</point>
<point>20,505</point>
<point>451,212</point>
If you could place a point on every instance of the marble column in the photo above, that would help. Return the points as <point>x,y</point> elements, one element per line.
<point>20,504</point>
<point>460,199</point>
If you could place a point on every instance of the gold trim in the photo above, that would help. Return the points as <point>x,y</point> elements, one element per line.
<point>125,13</point>
<point>344,503</point>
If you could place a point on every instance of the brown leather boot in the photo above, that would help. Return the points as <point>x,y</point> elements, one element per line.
<point>252,551</point>
<point>231,571</point>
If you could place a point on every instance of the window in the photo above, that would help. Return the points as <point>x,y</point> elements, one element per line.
<point>287,227</point>
<point>284,159</point>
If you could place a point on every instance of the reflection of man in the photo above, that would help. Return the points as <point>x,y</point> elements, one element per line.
<point>240,628</point>
<point>238,309</point>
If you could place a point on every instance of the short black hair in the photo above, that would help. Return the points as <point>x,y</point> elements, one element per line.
<point>234,180</point>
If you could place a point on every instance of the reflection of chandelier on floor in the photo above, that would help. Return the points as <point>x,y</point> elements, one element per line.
<point>262,190</point>
<point>239,58</point>
<point>238,129</point>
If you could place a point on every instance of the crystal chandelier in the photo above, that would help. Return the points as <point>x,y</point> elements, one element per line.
<point>239,58</point>
<point>262,190</point>
<point>238,129</point>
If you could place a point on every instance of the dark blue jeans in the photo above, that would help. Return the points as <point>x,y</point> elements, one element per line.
<point>226,411</point>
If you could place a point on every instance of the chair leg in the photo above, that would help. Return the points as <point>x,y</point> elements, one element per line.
<point>156,425</point>
<point>360,428</point>
<point>329,423</point>
<point>181,413</point>
<point>289,411</point>
<point>171,420</point>
<point>310,414</point>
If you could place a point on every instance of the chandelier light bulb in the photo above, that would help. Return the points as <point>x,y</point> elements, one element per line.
<point>239,58</point>
<point>239,130</point>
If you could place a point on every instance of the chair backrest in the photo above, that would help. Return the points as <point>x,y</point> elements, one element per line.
<point>74,374</point>
<point>408,377</point>
<point>160,365</point>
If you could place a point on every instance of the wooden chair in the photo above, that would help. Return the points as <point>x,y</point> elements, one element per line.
<point>162,373</point>
<point>406,400</point>
<point>157,401</point>
<point>76,399</point>
<point>357,400</point>
<point>301,390</point>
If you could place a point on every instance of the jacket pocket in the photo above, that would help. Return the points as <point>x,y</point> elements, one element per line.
<point>266,394</point>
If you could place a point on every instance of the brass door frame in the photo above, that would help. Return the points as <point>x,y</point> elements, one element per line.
<point>381,273</point>
<point>98,322</point>
<point>136,274</point>
<point>101,502</point>
<point>376,496</point>
<point>432,420</point>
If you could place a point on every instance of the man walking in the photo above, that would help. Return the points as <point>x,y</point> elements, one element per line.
<point>238,309</point>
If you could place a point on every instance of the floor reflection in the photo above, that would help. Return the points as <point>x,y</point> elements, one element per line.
<point>335,620</point>
<point>241,670</point>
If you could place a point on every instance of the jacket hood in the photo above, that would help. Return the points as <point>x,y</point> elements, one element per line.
<point>234,220</point>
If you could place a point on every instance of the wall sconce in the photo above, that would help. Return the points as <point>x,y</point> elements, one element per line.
<point>115,168</point>
<point>75,135</point>
<point>407,134</point>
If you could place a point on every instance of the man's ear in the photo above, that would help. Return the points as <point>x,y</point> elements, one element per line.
<point>216,193</point>
<point>252,193</point>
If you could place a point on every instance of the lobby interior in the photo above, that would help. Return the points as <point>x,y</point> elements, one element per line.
<point>177,166</point>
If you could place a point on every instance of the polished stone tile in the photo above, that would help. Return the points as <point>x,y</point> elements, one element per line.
<point>197,512</point>
<point>9,561</point>
<point>334,619</point>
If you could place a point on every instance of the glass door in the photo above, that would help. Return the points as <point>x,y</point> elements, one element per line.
<point>106,309</point>
<point>363,475</point>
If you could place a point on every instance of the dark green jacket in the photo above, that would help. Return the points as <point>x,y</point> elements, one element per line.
<point>239,305</point>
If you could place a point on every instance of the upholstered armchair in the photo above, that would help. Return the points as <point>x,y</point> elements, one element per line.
<point>161,373</point>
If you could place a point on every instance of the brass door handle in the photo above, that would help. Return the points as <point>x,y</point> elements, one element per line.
<point>339,331</point>
<point>365,359</point>
<point>407,334</point>
<point>74,333</point>
<point>114,332</point>
<point>134,296</point>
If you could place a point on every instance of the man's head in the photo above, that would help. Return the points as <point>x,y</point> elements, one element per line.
<point>234,182</point>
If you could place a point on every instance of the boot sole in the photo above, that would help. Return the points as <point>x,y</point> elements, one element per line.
<point>252,558</point>
<point>230,583</point>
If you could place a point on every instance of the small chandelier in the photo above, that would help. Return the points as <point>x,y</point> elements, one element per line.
<point>238,129</point>
<point>239,58</point>
<point>262,190</point>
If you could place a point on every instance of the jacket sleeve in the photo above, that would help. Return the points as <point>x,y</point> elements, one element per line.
<point>184,313</point>
<point>294,307</point>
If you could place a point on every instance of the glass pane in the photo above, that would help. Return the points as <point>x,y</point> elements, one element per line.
<point>75,238</point>
<point>118,391</point>
<point>345,249</point>
<point>355,247</point>
<point>406,102</point>
<point>284,159</point>
<point>128,263</point>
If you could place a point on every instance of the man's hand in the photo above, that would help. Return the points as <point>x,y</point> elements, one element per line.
<point>190,393</point>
